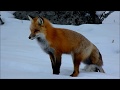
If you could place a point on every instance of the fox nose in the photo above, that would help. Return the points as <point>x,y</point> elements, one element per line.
<point>29,37</point>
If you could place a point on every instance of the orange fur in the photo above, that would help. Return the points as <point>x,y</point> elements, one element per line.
<point>60,40</point>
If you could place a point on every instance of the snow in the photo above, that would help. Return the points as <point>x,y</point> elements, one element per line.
<point>99,13</point>
<point>113,18</point>
<point>22,58</point>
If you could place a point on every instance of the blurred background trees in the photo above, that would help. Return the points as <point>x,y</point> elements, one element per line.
<point>67,17</point>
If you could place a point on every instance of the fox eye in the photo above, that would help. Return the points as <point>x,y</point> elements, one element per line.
<point>36,30</point>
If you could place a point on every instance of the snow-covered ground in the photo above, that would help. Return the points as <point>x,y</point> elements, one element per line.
<point>22,58</point>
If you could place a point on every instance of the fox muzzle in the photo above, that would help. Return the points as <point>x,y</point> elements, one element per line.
<point>31,37</point>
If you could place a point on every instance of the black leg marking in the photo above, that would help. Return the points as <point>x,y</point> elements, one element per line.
<point>56,63</point>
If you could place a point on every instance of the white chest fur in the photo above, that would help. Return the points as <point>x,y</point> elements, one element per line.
<point>42,41</point>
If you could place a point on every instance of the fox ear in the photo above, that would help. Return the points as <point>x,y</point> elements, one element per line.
<point>40,20</point>
<point>30,19</point>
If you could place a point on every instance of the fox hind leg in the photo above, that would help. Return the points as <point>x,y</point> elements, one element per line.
<point>76,63</point>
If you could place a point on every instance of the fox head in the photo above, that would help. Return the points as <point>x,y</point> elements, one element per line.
<point>37,27</point>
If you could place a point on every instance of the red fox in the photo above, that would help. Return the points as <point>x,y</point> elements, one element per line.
<point>58,41</point>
